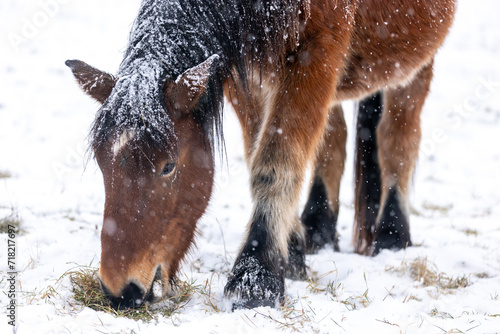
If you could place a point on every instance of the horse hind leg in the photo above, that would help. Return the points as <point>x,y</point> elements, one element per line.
<point>322,208</point>
<point>397,137</point>
<point>367,173</point>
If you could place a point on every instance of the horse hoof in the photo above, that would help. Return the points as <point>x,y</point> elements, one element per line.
<point>319,239</point>
<point>319,220</point>
<point>252,285</point>
<point>320,230</point>
<point>390,240</point>
<point>296,268</point>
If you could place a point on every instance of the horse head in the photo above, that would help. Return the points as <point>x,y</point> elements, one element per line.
<point>154,193</point>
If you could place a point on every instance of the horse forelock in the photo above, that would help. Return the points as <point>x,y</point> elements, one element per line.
<point>134,106</point>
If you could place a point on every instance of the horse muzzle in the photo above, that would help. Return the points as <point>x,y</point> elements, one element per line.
<point>134,294</point>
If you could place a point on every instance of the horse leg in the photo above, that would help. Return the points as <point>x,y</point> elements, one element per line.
<point>292,129</point>
<point>398,139</point>
<point>367,173</point>
<point>322,208</point>
<point>248,108</point>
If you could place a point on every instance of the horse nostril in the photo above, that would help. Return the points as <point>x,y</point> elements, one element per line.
<point>132,296</point>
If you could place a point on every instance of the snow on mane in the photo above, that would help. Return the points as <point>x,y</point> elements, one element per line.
<point>170,36</point>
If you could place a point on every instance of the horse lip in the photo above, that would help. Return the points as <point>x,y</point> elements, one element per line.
<point>123,301</point>
<point>154,293</point>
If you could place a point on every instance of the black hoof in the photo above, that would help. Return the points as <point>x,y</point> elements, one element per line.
<point>296,269</point>
<point>320,230</point>
<point>252,285</point>
<point>390,240</point>
<point>319,238</point>
<point>393,230</point>
<point>320,222</point>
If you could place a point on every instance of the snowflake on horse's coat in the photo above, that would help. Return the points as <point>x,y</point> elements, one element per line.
<point>285,66</point>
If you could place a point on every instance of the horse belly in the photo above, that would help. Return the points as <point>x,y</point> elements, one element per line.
<point>391,41</point>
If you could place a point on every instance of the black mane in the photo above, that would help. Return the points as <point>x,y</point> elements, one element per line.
<point>171,36</point>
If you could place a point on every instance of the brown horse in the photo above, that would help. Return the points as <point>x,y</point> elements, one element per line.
<point>285,66</point>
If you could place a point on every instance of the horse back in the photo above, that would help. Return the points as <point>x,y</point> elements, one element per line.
<point>390,41</point>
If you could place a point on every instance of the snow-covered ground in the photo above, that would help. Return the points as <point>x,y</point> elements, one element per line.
<point>44,119</point>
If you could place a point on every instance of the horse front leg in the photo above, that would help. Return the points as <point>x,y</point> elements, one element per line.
<point>295,117</point>
<point>248,107</point>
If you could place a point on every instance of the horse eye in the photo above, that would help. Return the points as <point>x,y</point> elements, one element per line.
<point>168,169</point>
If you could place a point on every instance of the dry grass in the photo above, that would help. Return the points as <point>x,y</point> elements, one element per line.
<point>470,232</point>
<point>316,288</point>
<point>88,293</point>
<point>209,297</point>
<point>331,288</point>
<point>11,221</point>
<point>334,290</point>
<point>426,273</point>
<point>354,302</point>
<point>293,318</point>
<point>444,209</point>
<point>5,174</point>
<point>438,314</point>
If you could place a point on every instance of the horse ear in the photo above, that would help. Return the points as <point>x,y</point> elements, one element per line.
<point>187,89</point>
<point>95,83</point>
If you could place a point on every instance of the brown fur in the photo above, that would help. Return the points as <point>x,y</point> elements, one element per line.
<point>158,234</point>
<point>391,42</point>
<point>330,158</point>
<point>94,82</point>
<point>347,49</point>
<point>294,114</point>
<point>398,138</point>
<point>152,226</point>
<point>380,55</point>
<point>399,131</point>
<point>248,109</point>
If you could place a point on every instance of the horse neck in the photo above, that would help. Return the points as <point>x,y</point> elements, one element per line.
<point>175,35</point>
<point>167,38</point>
